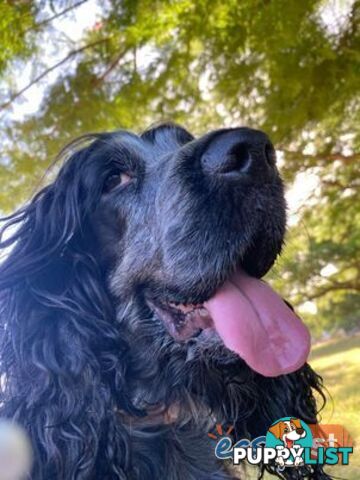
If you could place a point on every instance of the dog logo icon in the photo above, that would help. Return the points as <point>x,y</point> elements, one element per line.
<point>289,435</point>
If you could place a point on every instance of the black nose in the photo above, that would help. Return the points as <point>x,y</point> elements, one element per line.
<point>238,152</point>
<point>299,431</point>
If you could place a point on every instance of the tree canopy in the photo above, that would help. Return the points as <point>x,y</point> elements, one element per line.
<point>290,68</point>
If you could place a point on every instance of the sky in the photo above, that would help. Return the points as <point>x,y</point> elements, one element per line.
<point>73,27</point>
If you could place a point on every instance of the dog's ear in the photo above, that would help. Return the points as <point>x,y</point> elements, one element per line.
<point>51,222</point>
<point>276,429</point>
<point>167,136</point>
<point>296,422</point>
<point>62,361</point>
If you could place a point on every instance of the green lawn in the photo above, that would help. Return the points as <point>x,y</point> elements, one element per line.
<point>338,361</point>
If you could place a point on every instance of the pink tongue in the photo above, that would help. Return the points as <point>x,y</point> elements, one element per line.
<point>254,322</point>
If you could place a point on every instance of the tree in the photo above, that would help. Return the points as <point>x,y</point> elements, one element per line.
<point>274,65</point>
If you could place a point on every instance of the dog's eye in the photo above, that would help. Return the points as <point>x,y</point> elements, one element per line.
<point>115,179</point>
<point>286,430</point>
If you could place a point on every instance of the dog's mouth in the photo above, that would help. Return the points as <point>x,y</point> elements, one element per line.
<point>184,321</point>
<point>289,443</point>
<point>251,319</point>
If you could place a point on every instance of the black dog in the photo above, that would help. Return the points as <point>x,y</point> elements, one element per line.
<point>112,355</point>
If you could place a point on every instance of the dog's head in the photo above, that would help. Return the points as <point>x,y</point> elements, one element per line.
<point>181,228</point>
<point>288,431</point>
<point>181,225</point>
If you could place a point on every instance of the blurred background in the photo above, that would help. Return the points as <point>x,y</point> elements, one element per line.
<point>291,68</point>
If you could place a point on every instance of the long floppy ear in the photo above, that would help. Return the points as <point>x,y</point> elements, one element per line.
<point>276,429</point>
<point>62,363</point>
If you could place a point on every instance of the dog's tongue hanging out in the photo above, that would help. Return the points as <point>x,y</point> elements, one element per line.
<point>254,322</point>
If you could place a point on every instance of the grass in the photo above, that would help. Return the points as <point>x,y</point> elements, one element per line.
<point>338,361</point>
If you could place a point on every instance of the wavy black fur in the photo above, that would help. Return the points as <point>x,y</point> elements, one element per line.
<point>84,359</point>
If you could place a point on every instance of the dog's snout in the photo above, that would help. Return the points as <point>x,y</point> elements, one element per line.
<point>238,152</point>
<point>226,157</point>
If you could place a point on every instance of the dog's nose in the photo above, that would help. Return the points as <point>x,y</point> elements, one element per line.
<point>238,152</point>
